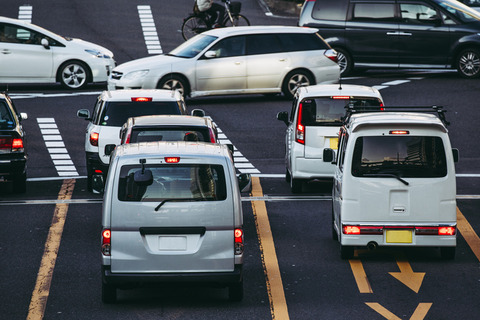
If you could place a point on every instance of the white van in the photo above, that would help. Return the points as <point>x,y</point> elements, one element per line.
<point>394,182</point>
<point>172,212</point>
<point>313,125</point>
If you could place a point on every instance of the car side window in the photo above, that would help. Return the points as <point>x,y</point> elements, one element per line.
<point>14,34</point>
<point>294,109</point>
<point>418,13</point>
<point>374,12</point>
<point>96,111</point>
<point>335,10</point>
<point>230,47</point>
<point>6,119</point>
<point>341,151</point>
<point>302,41</point>
<point>263,44</point>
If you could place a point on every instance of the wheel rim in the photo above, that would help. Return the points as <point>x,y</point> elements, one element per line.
<point>74,76</point>
<point>342,61</point>
<point>296,81</point>
<point>469,64</point>
<point>174,84</point>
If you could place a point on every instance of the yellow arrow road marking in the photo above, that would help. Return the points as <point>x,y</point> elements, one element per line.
<point>411,279</point>
<point>468,233</point>
<point>419,314</point>
<point>276,295</point>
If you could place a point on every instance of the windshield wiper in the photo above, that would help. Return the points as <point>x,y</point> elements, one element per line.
<point>386,175</point>
<point>178,200</point>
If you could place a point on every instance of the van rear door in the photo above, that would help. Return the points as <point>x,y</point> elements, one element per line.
<point>182,221</point>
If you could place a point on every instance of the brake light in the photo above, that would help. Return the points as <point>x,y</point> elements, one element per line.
<point>94,139</point>
<point>332,55</point>
<point>362,229</point>
<point>17,144</point>
<point>172,159</point>
<point>436,231</point>
<point>300,128</point>
<point>238,240</point>
<point>399,132</point>
<point>341,97</point>
<point>106,242</point>
<point>142,99</point>
<point>212,135</point>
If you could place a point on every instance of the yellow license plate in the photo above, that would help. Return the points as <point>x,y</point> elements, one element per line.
<point>333,143</point>
<point>399,236</point>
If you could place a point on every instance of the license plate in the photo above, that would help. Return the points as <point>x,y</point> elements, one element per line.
<point>333,143</point>
<point>399,236</point>
<point>169,243</point>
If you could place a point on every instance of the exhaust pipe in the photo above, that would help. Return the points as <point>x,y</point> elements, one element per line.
<point>372,245</point>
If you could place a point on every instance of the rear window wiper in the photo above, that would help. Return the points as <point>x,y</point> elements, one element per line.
<point>179,200</point>
<point>386,175</point>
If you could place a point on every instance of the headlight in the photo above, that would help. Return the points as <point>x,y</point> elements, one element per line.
<point>135,74</point>
<point>98,54</point>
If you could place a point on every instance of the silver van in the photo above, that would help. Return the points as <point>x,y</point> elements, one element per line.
<point>172,212</point>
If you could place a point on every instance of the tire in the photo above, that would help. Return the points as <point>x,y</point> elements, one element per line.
<point>174,82</point>
<point>296,185</point>
<point>109,293</point>
<point>344,61</point>
<point>468,63</point>
<point>74,75</point>
<point>20,183</point>
<point>346,252</point>
<point>192,26</point>
<point>295,79</point>
<point>447,253</point>
<point>89,178</point>
<point>235,291</point>
<point>238,21</point>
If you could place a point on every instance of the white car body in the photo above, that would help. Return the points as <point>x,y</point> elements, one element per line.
<point>215,72</point>
<point>27,58</point>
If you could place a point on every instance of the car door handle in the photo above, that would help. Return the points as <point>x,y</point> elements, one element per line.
<point>392,33</point>
<point>6,51</point>
<point>404,33</point>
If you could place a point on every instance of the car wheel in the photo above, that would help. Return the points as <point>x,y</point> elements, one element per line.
<point>174,82</point>
<point>294,80</point>
<point>235,291</point>
<point>346,252</point>
<point>344,61</point>
<point>468,63</point>
<point>447,253</point>
<point>296,185</point>
<point>20,183</point>
<point>73,75</point>
<point>109,293</point>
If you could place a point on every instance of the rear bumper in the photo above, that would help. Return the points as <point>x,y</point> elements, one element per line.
<point>95,163</point>
<point>13,166</point>
<point>136,279</point>
<point>417,241</point>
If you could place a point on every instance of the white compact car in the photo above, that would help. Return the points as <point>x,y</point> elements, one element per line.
<point>31,54</point>
<point>240,60</point>
<point>313,125</point>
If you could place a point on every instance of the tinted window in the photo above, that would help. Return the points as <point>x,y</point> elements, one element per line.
<point>230,47</point>
<point>417,13</point>
<point>402,155</point>
<point>6,118</point>
<point>330,10</point>
<point>374,11</point>
<point>116,113</point>
<point>324,111</point>
<point>263,43</point>
<point>167,134</point>
<point>14,34</point>
<point>460,11</point>
<point>302,42</point>
<point>193,182</point>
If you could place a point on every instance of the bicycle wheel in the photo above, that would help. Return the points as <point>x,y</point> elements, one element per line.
<point>238,21</point>
<point>192,26</point>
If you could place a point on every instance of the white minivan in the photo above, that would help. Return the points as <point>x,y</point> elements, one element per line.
<point>172,213</point>
<point>313,125</point>
<point>394,182</point>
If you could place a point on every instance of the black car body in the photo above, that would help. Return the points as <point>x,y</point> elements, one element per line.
<point>13,158</point>
<point>398,33</point>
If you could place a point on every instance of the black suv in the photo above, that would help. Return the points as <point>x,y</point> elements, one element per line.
<point>398,33</point>
<point>13,159</point>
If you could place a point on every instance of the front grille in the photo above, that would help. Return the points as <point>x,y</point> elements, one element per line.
<point>116,75</point>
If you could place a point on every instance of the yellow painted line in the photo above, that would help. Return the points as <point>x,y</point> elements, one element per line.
<point>421,311</point>
<point>468,233</point>
<point>360,276</point>
<point>40,294</point>
<point>419,314</point>
<point>276,294</point>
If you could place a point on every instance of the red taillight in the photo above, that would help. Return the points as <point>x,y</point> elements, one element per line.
<point>17,144</point>
<point>94,139</point>
<point>172,159</point>
<point>399,132</point>
<point>13,144</point>
<point>351,230</point>
<point>212,135</point>
<point>300,129</point>
<point>435,231</point>
<point>142,99</point>
<point>332,55</point>
<point>106,242</point>
<point>362,229</point>
<point>341,97</point>
<point>238,241</point>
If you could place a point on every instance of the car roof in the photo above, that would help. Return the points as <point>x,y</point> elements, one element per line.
<point>223,32</point>
<point>170,120</point>
<point>127,95</point>
<point>337,89</point>
<point>420,120</point>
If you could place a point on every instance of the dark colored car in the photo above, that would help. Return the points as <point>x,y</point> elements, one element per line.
<point>13,158</point>
<point>430,34</point>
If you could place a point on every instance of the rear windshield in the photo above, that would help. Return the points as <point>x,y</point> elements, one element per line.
<point>192,182</point>
<point>173,134</point>
<point>116,113</point>
<point>403,156</point>
<point>327,111</point>
<point>6,119</point>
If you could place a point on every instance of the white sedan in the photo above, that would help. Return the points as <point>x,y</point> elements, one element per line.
<point>236,60</point>
<point>31,54</point>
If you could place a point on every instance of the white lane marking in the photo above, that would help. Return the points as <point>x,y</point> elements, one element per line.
<point>25,13</point>
<point>149,30</point>
<point>55,146</point>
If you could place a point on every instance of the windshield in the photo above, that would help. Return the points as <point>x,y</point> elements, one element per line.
<point>460,11</point>
<point>403,156</point>
<point>115,114</point>
<point>189,182</point>
<point>192,47</point>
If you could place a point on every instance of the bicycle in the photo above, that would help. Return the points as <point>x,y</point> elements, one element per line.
<point>198,22</point>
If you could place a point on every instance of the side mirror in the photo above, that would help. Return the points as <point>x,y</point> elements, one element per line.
<point>245,182</point>
<point>143,177</point>
<point>210,54</point>
<point>455,154</point>
<point>23,116</point>
<point>198,113</point>
<point>328,155</point>
<point>283,116</point>
<point>45,43</point>
<point>84,113</point>
<point>109,149</point>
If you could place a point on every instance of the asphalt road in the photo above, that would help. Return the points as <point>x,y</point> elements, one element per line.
<point>312,281</point>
